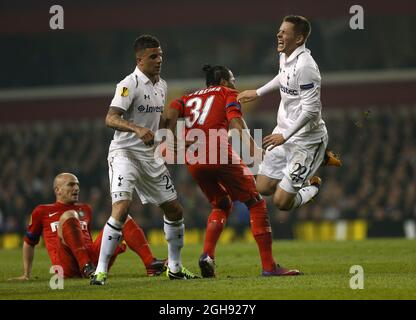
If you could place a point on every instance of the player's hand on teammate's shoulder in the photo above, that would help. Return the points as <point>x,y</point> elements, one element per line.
<point>21,278</point>
<point>247,96</point>
<point>272,141</point>
<point>146,135</point>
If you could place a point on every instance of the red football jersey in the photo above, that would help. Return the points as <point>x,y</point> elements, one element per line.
<point>210,108</point>
<point>45,220</point>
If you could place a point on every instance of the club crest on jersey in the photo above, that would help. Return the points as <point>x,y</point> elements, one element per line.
<point>81,214</point>
<point>124,92</point>
<point>120,179</point>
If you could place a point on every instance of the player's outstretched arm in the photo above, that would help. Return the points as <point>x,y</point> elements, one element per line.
<point>251,95</point>
<point>28,256</point>
<point>247,96</point>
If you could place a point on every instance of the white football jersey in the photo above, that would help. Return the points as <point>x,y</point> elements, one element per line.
<point>143,103</point>
<point>299,81</point>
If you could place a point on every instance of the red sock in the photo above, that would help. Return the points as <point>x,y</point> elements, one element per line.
<point>262,232</point>
<point>74,239</point>
<point>136,240</point>
<point>215,225</point>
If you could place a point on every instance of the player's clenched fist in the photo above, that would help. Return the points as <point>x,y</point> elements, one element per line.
<point>247,96</point>
<point>147,136</point>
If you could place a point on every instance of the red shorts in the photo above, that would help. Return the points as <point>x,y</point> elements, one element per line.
<point>219,180</point>
<point>69,263</point>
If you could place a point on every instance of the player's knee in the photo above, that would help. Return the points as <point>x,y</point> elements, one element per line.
<point>120,210</point>
<point>255,201</point>
<point>266,188</point>
<point>282,204</point>
<point>172,210</point>
<point>67,215</point>
<point>265,185</point>
<point>225,204</point>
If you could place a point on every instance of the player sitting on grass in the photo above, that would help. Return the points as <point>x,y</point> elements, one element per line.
<point>65,226</point>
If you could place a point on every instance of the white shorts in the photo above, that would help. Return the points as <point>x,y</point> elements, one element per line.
<point>293,164</point>
<point>149,178</point>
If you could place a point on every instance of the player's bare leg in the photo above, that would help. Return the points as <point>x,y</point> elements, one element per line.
<point>285,200</point>
<point>266,186</point>
<point>112,235</point>
<point>70,234</point>
<point>174,233</point>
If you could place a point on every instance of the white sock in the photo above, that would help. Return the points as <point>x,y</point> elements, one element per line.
<point>174,231</point>
<point>304,195</point>
<point>111,238</point>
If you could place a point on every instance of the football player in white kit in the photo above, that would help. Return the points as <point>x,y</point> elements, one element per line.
<point>296,148</point>
<point>134,114</point>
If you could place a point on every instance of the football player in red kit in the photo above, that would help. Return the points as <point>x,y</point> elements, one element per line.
<point>214,111</point>
<point>65,226</point>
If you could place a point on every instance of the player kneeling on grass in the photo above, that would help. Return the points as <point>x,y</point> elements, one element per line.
<point>65,226</point>
<point>222,183</point>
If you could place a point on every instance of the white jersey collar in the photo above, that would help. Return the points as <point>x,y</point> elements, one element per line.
<point>142,76</point>
<point>295,53</point>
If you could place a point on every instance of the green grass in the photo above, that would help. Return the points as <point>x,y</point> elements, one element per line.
<point>389,273</point>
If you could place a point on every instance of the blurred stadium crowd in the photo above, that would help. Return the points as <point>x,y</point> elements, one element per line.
<point>247,49</point>
<point>376,182</point>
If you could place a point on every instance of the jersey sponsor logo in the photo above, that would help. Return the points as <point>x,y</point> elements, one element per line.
<point>55,225</point>
<point>149,109</point>
<point>124,92</point>
<point>52,214</point>
<point>292,92</point>
<point>84,225</point>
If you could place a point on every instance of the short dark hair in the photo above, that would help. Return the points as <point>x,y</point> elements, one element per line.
<point>213,75</point>
<point>302,25</point>
<point>146,41</point>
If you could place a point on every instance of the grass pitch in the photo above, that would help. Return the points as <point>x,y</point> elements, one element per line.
<point>389,273</point>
